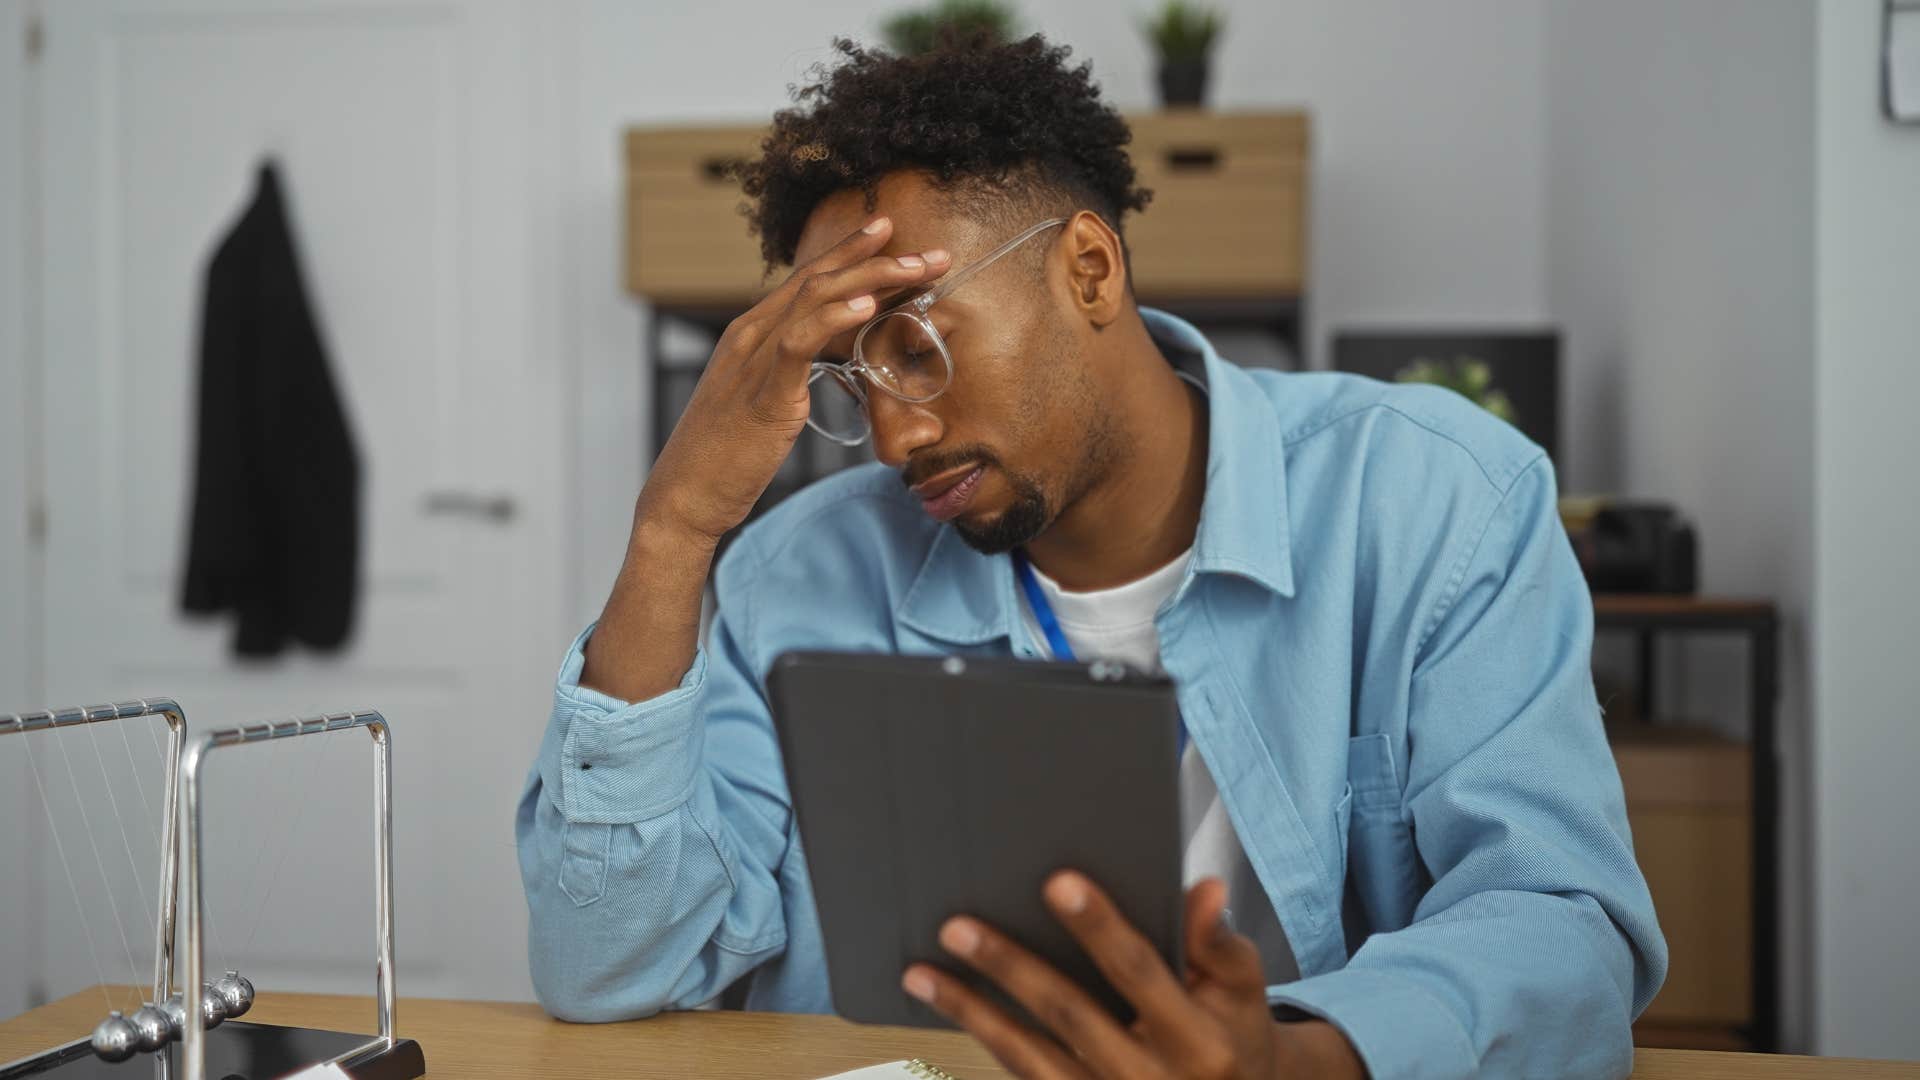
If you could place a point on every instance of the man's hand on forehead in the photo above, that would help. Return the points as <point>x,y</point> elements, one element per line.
<point>752,400</point>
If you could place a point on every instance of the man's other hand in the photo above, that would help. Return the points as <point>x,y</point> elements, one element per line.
<point>1213,1023</point>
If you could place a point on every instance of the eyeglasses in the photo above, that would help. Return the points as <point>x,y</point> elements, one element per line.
<point>898,351</point>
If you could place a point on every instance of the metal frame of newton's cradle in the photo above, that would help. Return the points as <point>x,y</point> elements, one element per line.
<point>387,1054</point>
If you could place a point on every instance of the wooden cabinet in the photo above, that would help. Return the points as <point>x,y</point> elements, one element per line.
<point>1690,804</point>
<point>687,241</point>
<point>1229,211</point>
<point>1705,817</point>
<point>1227,221</point>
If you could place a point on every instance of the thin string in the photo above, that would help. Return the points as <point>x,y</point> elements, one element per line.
<point>159,836</point>
<point>160,824</point>
<point>73,887</point>
<point>139,885</point>
<point>99,863</point>
<point>160,820</point>
<point>293,827</point>
<point>256,779</point>
<point>275,751</point>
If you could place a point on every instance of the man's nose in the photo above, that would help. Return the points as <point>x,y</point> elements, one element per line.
<point>900,427</point>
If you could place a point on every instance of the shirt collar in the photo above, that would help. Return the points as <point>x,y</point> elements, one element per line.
<point>965,597</point>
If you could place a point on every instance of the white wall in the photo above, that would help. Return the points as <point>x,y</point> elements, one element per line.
<point>1866,589</point>
<point>1679,263</point>
<point>1427,184</point>
<point>1733,247</point>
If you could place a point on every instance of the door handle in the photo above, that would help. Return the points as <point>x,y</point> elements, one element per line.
<point>498,509</point>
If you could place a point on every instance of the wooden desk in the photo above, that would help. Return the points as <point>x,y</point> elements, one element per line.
<point>483,1040</point>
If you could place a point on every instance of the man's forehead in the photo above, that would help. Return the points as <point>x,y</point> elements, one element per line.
<point>923,217</point>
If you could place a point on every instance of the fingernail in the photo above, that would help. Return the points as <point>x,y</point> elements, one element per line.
<point>875,226</point>
<point>937,255</point>
<point>861,304</point>
<point>1068,894</point>
<point>959,937</point>
<point>919,984</point>
<point>1223,926</point>
<point>911,262</point>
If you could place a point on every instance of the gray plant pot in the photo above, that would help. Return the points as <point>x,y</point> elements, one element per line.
<point>1183,82</point>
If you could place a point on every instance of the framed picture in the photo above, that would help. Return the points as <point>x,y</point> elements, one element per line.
<point>1900,61</point>
<point>1513,374</point>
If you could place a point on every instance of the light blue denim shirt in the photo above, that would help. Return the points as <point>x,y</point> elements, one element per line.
<point>1381,651</point>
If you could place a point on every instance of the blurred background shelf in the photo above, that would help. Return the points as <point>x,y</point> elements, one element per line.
<point>1705,816</point>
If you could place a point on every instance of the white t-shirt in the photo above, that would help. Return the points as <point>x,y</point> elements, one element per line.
<point>1117,624</point>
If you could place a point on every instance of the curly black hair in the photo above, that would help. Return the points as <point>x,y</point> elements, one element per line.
<point>996,125</point>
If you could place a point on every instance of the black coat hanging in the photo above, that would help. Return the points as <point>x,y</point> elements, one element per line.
<point>275,536</point>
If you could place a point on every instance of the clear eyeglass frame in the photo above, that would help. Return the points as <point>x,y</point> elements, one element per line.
<point>852,377</point>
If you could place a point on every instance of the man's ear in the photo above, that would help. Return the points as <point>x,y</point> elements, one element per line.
<point>1096,268</point>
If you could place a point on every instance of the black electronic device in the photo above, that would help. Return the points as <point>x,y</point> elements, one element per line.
<point>927,787</point>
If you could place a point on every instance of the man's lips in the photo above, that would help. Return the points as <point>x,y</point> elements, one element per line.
<point>944,496</point>
<point>940,482</point>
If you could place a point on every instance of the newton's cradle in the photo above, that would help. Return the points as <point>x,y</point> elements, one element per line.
<point>193,1031</point>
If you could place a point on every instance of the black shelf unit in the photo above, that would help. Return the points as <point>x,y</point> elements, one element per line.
<point>1648,616</point>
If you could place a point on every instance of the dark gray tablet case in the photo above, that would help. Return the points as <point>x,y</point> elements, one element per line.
<point>927,787</point>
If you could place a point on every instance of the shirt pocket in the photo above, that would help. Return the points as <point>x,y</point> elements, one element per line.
<point>1383,872</point>
<point>583,860</point>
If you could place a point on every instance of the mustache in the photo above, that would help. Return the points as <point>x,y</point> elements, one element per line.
<point>928,464</point>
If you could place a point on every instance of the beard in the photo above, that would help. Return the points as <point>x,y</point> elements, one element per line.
<point>1032,511</point>
<point>1027,517</point>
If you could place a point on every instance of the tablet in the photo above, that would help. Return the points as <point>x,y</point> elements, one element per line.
<point>927,787</point>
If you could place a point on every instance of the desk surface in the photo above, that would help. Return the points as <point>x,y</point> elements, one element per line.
<point>481,1040</point>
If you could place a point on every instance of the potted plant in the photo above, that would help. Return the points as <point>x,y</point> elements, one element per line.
<point>1183,34</point>
<point>1468,376</point>
<point>922,30</point>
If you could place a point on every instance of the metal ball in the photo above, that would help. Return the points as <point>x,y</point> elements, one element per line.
<point>115,1039</point>
<point>212,1009</point>
<point>235,992</point>
<point>155,1030</point>
<point>175,1010</point>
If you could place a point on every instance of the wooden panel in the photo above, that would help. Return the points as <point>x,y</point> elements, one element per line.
<point>479,1040</point>
<point>1689,1037</point>
<point>1228,219</point>
<point>1684,768</point>
<point>1698,865</point>
<point>686,239</point>
<point>1690,807</point>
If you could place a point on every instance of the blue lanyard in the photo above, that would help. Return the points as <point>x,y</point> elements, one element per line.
<point>1050,624</point>
<point>1042,611</point>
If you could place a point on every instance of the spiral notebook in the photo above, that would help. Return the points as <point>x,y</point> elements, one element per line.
<point>916,1069</point>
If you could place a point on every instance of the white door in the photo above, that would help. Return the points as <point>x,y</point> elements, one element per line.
<point>17,845</point>
<point>403,134</point>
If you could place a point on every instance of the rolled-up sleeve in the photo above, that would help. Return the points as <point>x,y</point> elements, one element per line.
<point>650,837</point>
<point>1536,944</point>
<point>611,761</point>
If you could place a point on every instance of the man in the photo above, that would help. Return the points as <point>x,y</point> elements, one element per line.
<point>1396,777</point>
